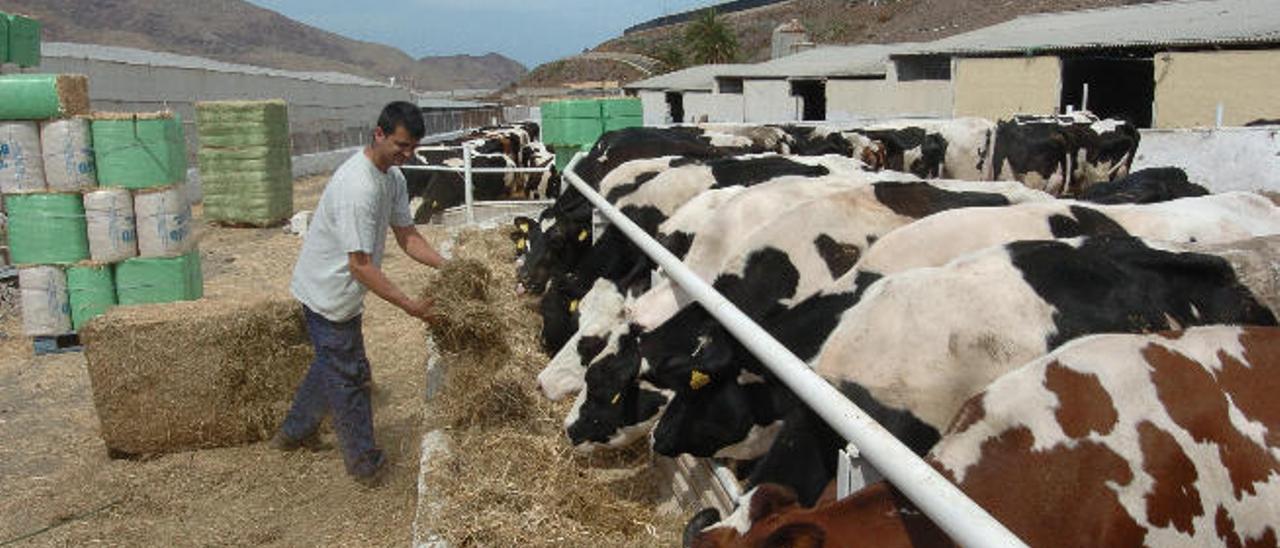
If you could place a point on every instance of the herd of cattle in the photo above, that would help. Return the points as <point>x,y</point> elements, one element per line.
<point>512,146</point>
<point>1090,354</point>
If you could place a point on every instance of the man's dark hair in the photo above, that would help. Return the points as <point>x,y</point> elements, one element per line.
<point>402,114</point>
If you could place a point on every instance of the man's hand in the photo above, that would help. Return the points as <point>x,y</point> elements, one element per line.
<point>424,310</point>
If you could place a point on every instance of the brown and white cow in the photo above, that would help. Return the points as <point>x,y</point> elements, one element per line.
<point>1112,440</point>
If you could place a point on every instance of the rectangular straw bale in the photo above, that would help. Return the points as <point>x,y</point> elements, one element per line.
<point>199,374</point>
<point>43,96</point>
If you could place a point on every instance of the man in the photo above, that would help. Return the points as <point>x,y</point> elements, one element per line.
<point>341,259</point>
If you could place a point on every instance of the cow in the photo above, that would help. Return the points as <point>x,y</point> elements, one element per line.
<point>826,237</point>
<point>540,186</point>
<point>937,239</point>
<point>442,189</point>
<point>990,312</point>
<point>1111,440</point>
<point>1063,154</point>
<point>1156,184</point>
<point>650,200</point>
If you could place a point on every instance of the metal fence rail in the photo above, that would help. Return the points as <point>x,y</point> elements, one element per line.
<point>467,170</point>
<point>959,516</point>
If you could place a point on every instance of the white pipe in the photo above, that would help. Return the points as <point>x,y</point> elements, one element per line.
<point>953,511</point>
<point>1218,116</point>
<point>480,169</point>
<point>1084,101</point>
<point>466,184</point>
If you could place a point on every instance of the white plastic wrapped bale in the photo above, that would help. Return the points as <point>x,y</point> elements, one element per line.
<point>21,168</point>
<point>113,233</point>
<point>46,310</point>
<point>164,222</point>
<point>67,149</point>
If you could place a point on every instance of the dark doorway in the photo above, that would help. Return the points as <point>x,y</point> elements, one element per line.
<point>813,98</point>
<point>675,105</point>
<point>1119,87</point>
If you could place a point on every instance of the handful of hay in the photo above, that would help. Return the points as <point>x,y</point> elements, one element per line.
<point>465,318</point>
<point>190,375</point>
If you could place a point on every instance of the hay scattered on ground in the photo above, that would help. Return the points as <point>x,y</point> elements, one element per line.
<point>511,478</point>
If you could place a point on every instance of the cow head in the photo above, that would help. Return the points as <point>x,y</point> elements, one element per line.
<point>614,408</point>
<point>556,242</point>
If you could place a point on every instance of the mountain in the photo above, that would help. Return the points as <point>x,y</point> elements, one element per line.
<point>827,22</point>
<point>236,31</point>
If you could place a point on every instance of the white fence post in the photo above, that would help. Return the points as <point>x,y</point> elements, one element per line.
<point>466,182</point>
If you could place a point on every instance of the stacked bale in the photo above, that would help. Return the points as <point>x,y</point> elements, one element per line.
<point>572,126</point>
<point>19,40</point>
<point>245,169</point>
<point>142,216</point>
<point>71,187</point>
<point>41,183</point>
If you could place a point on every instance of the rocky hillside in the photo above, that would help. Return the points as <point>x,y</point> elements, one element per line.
<point>239,32</point>
<point>835,22</point>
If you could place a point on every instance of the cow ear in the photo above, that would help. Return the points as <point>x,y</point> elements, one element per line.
<point>770,499</point>
<point>716,357</point>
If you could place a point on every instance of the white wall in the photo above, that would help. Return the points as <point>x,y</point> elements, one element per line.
<point>656,111</point>
<point>1220,159</point>
<point>874,99</point>
<point>716,107</point>
<point>769,101</point>
<point>322,116</point>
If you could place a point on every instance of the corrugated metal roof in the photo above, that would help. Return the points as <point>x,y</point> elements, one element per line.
<point>699,78</point>
<point>132,56</point>
<point>1161,24</point>
<point>866,60</point>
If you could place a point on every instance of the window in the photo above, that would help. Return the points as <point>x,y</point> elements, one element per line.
<point>933,67</point>
<point>730,85</point>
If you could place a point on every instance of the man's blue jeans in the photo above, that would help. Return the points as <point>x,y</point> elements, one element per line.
<point>337,383</point>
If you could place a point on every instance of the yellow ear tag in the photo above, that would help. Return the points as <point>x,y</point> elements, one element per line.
<point>573,306</point>
<point>698,379</point>
<point>524,227</point>
<point>582,236</point>
<point>520,244</point>
<point>435,204</point>
<point>616,397</point>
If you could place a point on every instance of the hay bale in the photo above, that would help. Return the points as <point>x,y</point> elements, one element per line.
<point>190,375</point>
<point>43,96</point>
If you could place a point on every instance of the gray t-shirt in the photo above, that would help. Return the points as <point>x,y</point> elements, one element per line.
<point>357,206</point>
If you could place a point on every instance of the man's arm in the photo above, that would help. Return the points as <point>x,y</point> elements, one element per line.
<point>414,245</point>
<point>372,277</point>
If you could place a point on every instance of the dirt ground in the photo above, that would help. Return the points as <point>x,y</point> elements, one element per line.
<point>58,487</point>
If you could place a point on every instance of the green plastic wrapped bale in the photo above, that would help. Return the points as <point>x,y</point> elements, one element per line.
<point>92,291</point>
<point>271,112</point>
<point>43,96</point>
<point>254,159</point>
<point>572,108</point>
<point>244,136</point>
<point>4,38</point>
<point>564,153</point>
<point>233,124</point>
<point>47,228</point>
<point>160,280</point>
<point>621,108</point>
<point>139,151</point>
<point>573,131</point>
<point>622,122</point>
<point>24,41</point>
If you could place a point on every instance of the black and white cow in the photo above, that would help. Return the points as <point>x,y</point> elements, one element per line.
<point>1156,184</point>
<point>989,312</point>
<point>935,240</point>
<point>783,262</point>
<point>1063,154</point>
<point>649,200</point>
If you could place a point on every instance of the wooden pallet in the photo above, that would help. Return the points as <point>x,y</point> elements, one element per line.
<point>56,344</point>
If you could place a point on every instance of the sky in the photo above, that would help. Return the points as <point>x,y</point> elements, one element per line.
<point>530,31</point>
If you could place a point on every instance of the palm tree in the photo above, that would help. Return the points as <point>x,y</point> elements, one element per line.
<point>709,40</point>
